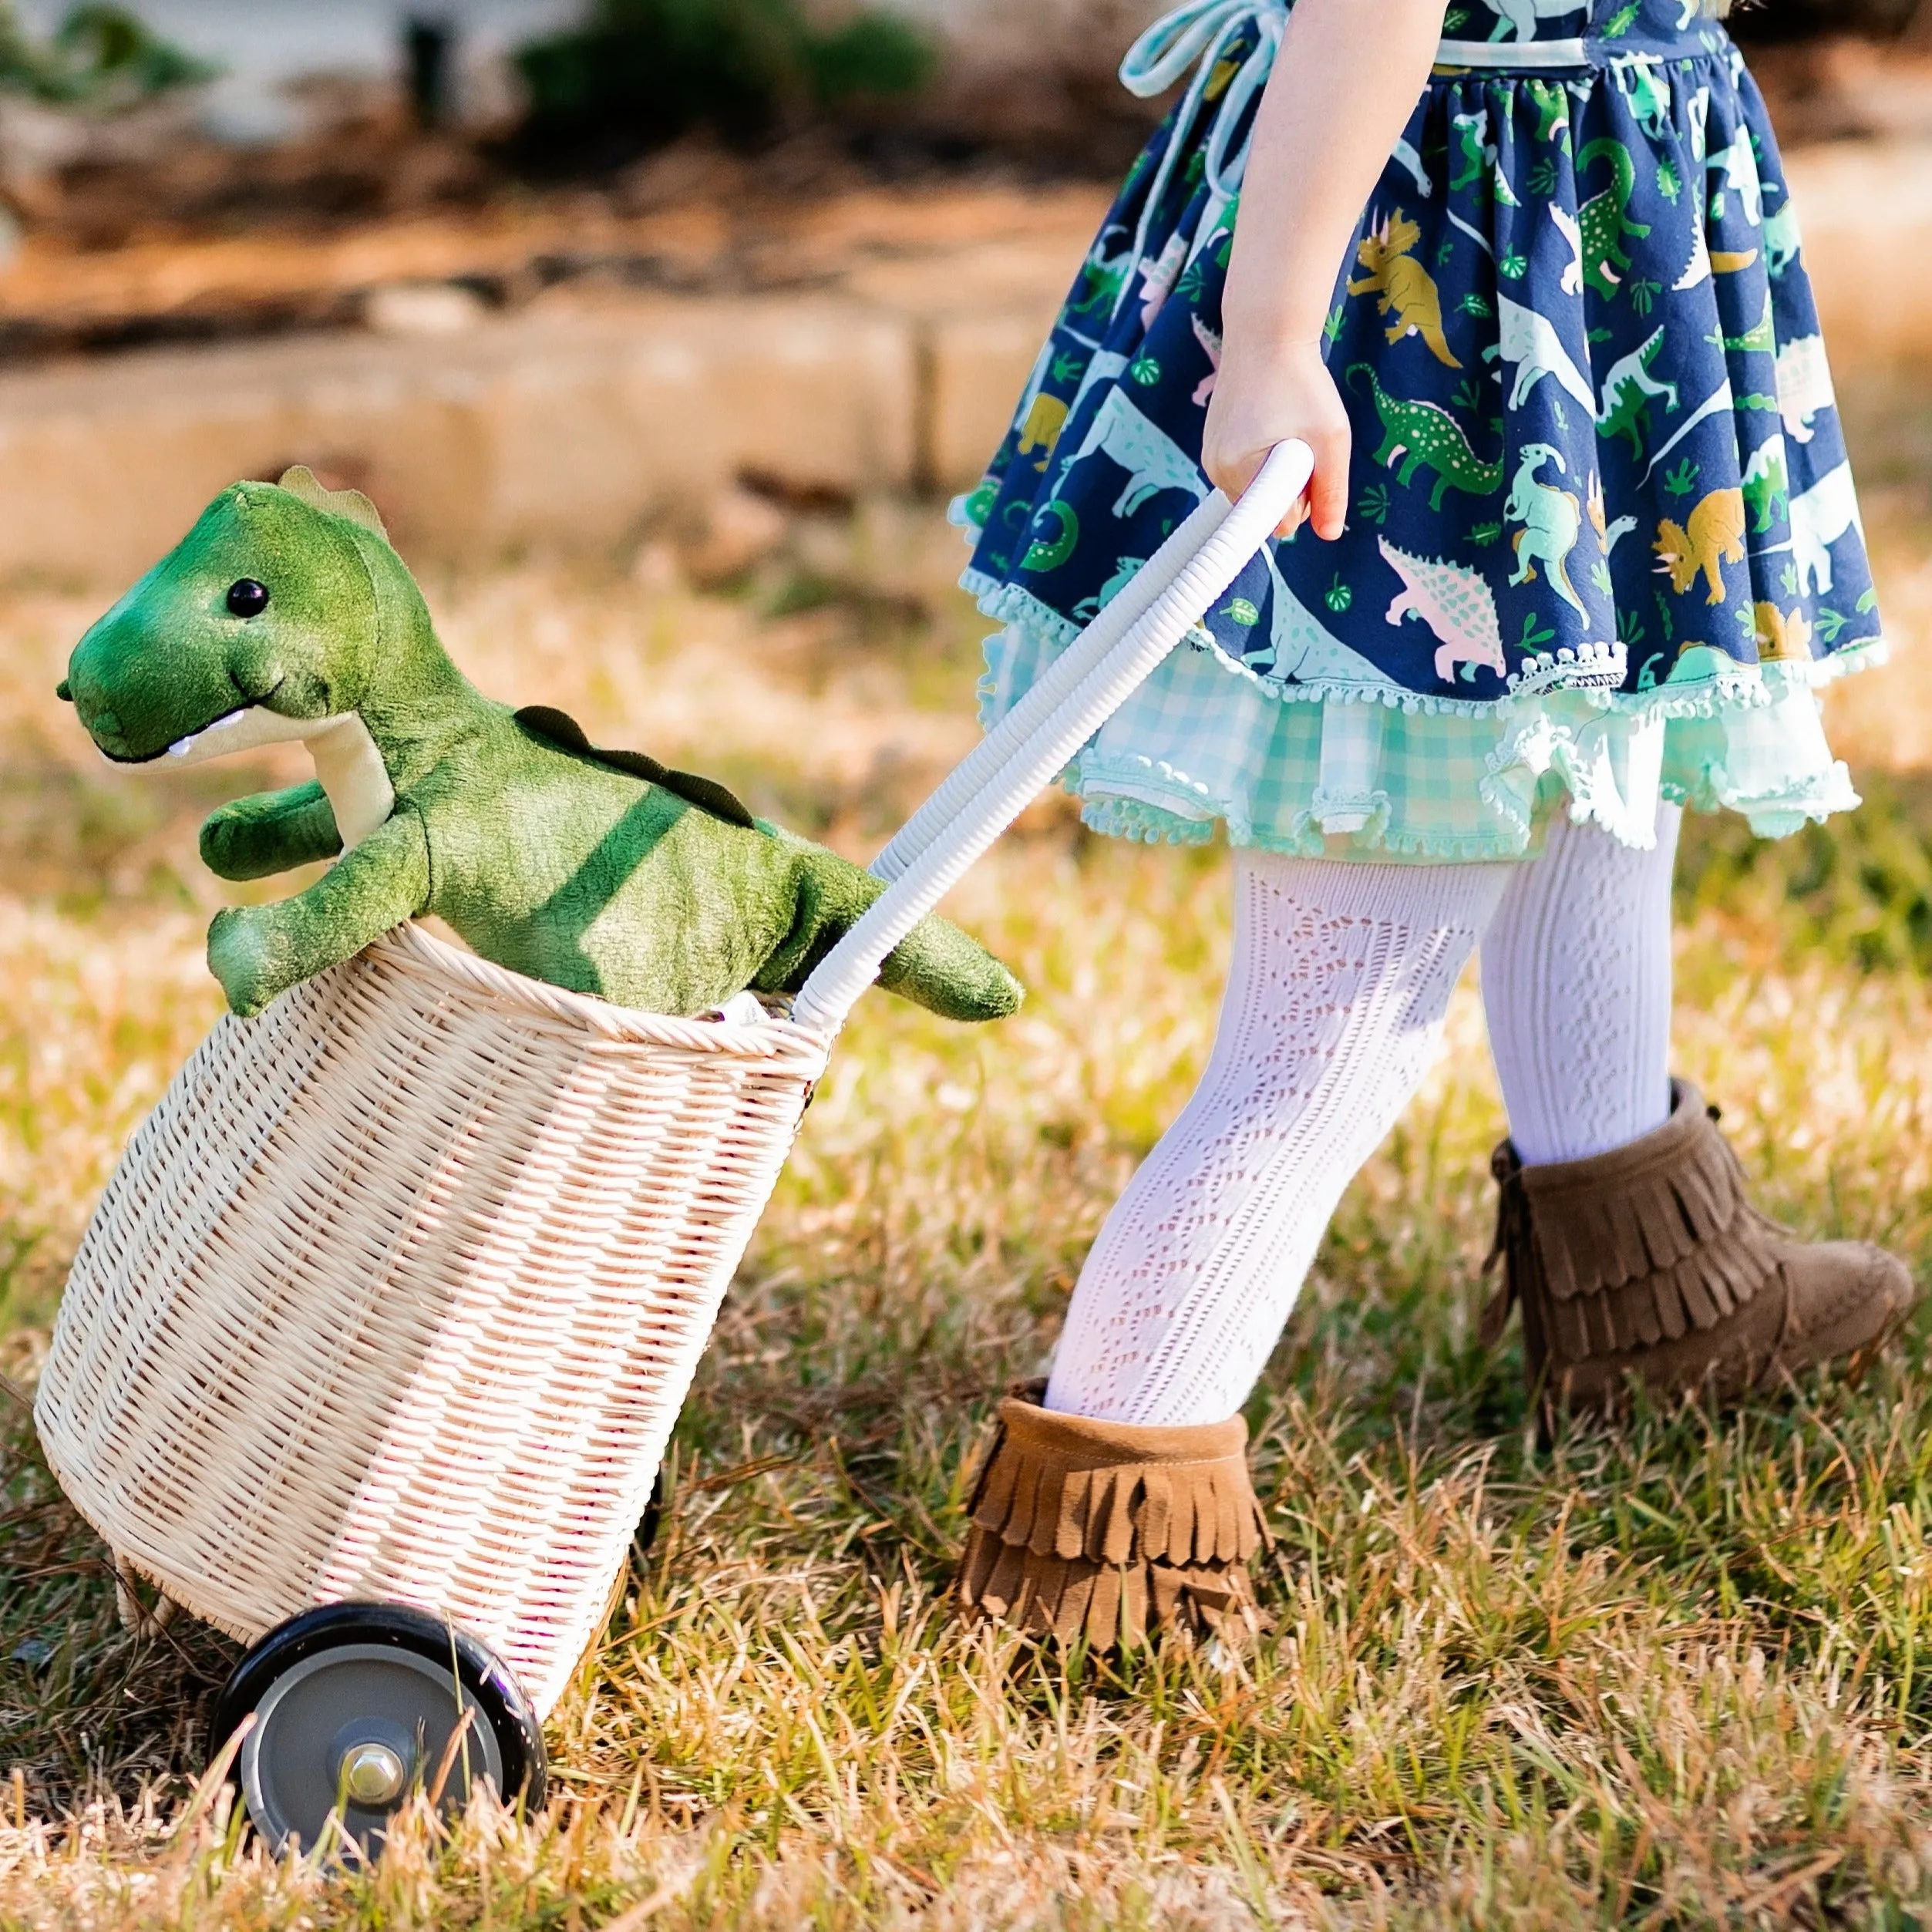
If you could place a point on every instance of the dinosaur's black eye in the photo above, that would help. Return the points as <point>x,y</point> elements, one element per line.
<point>247,598</point>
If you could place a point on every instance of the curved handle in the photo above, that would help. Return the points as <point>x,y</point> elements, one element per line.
<point>958,823</point>
<point>1060,680</point>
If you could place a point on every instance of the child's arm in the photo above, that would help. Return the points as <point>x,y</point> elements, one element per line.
<point>1344,84</point>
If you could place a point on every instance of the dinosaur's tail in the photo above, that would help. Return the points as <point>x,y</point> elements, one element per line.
<point>936,965</point>
<point>949,972</point>
<point>1621,164</point>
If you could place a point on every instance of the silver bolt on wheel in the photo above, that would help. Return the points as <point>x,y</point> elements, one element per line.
<point>351,1732</point>
<point>372,1774</point>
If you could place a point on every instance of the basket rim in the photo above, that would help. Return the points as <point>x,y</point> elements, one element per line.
<point>421,954</point>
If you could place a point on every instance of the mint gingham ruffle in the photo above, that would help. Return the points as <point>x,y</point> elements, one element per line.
<point>1318,774</point>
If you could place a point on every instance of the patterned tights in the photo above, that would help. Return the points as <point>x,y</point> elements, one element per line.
<point>1339,984</point>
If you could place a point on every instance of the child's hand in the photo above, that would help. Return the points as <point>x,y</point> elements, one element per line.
<point>1263,396</point>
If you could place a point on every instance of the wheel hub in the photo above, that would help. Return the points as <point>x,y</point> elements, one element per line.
<point>358,1707</point>
<point>372,1774</point>
<point>348,1733</point>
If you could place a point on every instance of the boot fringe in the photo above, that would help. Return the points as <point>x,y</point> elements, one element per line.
<point>1109,1531</point>
<point>1674,1247</point>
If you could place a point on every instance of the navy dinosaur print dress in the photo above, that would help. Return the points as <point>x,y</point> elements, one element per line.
<point>1603,545</point>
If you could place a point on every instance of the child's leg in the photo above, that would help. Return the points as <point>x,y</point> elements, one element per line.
<point>1341,977</point>
<point>1123,1505</point>
<point>1628,1236</point>
<point>1577,987</point>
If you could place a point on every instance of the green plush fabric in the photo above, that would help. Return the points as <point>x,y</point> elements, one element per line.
<point>562,863</point>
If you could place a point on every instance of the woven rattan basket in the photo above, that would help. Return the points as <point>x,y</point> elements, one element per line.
<point>397,1293</point>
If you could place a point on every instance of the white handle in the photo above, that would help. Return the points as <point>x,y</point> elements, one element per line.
<point>999,780</point>
<point>1061,678</point>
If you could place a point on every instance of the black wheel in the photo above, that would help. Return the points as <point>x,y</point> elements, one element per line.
<point>355,1705</point>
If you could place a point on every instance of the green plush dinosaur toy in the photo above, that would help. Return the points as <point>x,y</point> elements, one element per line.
<point>285,614</point>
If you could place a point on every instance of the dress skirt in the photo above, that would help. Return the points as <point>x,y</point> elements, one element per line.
<point>1604,546</point>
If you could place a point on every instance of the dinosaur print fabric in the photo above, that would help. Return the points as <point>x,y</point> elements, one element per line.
<point>1604,539</point>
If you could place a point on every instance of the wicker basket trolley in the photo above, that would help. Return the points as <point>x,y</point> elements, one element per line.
<point>370,1352</point>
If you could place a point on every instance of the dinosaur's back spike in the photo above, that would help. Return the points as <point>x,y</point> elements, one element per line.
<point>351,504</point>
<point>560,728</point>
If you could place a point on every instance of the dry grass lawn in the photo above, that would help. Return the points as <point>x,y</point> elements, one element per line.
<point>1669,1676</point>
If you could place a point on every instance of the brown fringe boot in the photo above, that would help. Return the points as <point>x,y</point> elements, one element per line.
<point>1651,1263</point>
<point>1109,1530</point>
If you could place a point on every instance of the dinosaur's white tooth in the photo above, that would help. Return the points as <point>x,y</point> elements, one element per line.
<point>182,746</point>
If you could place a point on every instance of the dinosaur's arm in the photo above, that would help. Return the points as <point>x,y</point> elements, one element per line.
<point>258,952</point>
<point>270,832</point>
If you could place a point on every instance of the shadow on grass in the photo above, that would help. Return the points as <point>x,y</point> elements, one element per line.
<point>87,1709</point>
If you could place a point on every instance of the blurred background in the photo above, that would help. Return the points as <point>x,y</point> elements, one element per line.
<point>593,275</point>
<point>589,273</point>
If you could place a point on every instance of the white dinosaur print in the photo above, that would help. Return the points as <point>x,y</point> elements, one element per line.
<point>1552,520</point>
<point>1572,231</point>
<point>1820,516</point>
<point>1158,278</point>
<point>1722,401</point>
<point>1739,163</point>
<point>1457,605</point>
<point>1300,646</point>
<point>1106,365</point>
<point>1609,535</point>
<point>1698,272</point>
<point>1523,15</point>
<point>1407,155</point>
<point>1805,387</point>
<point>1529,340</point>
<point>1153,458</point>
<point>1211,347</point>
<point>1782,240</point>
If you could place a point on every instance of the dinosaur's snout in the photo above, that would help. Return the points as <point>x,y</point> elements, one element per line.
<point>137,692</point>
<point>96,707</point>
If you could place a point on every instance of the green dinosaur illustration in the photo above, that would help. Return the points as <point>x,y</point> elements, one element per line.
<point>1604,218</point>
<point>1761,339</point>
<point>1767,486</point>
<point>1628,390</point>
<point>1099,285</point>
<point>1552,109</point>
<point>1476,155</point>
<point>285,614</point>
<point>1048,553</point>
<point>1480,157</point>
<point>1419,434</point>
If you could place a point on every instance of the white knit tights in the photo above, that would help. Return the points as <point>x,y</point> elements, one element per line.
<point>1576,989</point>
<point>1341,977</point>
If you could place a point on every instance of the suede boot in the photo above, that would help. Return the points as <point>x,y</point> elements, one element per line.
<point>1651,1264</point>
<point>1110,1531</point>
